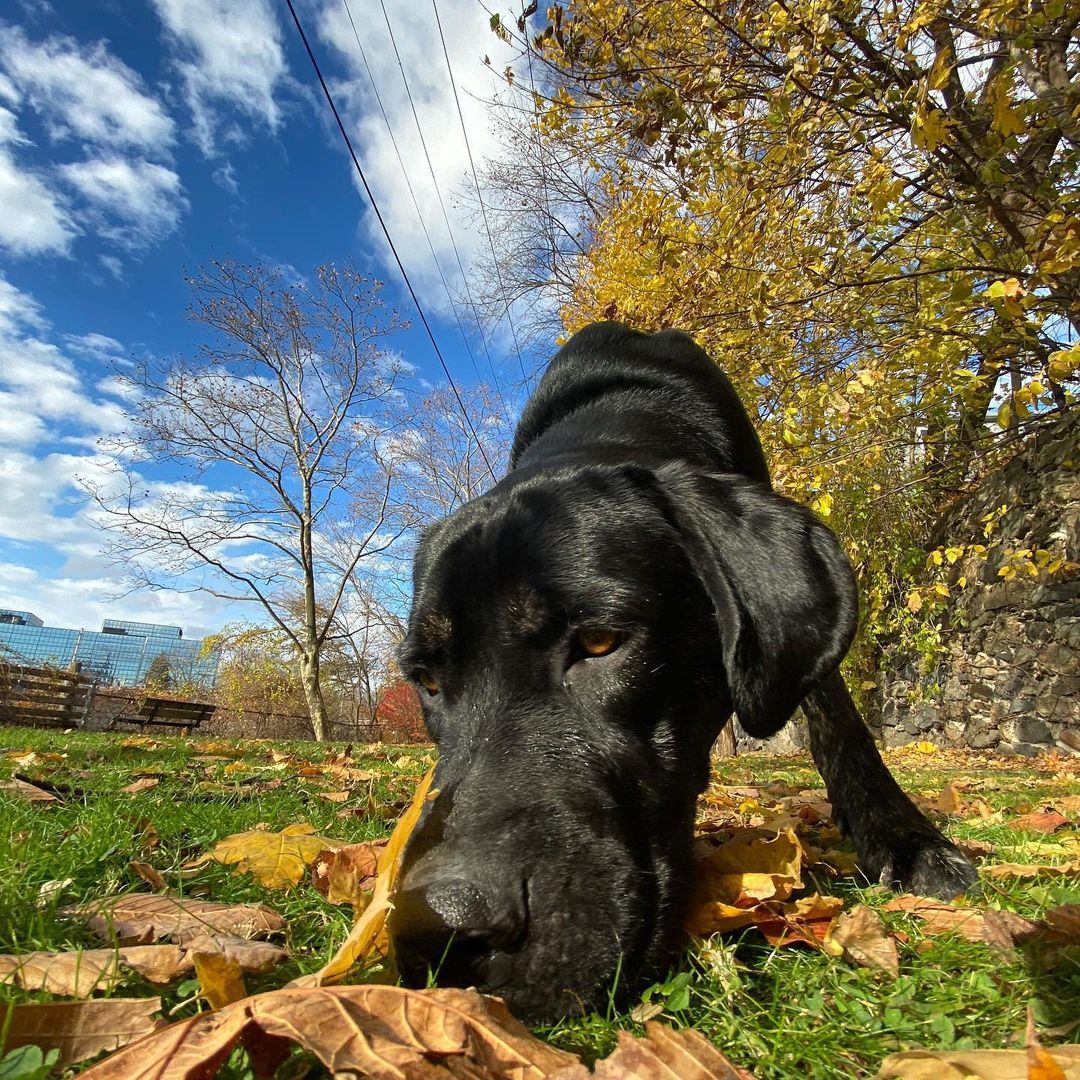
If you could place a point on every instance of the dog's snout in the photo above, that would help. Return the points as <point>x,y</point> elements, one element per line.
<point>450,925</point>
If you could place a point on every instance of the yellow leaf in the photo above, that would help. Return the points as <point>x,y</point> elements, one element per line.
<point>277,860</point>
<point>371,922</point>
<point>752,867</point>
<point>220,979</point>
<point>925,747</point>
<point>914,602</point>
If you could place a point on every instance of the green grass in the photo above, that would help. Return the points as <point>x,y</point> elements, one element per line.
<point>781,1012</point>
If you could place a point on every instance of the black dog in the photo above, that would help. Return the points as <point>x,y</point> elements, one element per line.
<point>579,636</point>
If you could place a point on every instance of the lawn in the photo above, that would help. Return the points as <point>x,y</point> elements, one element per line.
<point>779,1010</point>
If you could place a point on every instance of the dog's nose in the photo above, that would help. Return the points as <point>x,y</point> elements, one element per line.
<point>448,925</point>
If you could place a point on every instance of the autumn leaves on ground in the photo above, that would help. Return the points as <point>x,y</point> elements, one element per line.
<point>179,908</point>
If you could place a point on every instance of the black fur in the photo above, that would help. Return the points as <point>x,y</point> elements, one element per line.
<point>557,854</point>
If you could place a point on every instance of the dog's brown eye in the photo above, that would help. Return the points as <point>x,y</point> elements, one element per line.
<point>427,681</point>
<point>596,641</point>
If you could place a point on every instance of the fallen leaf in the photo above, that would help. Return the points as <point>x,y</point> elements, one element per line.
<point>1030,870</point>
<point>79,1029</point>
<point>148,874</point>
<point>1065,922</point>
<point>803,922</point>
<point>663,1053</point>
<point>346,876</point>
<point>372,921</point>
<point>334,796</point>
<point>751,867</point>
<point>939,917</point>
<point>251,956</point>
<point>50,890</point>
<point>22,789</point>
<point>139,918</point>
<point>1044,821</point>
<point>219,978</point>
<point>859,936</point>
<point>1004,930</point>
<point>948,802</point>
<point>974,1065</point>
<point>277,860</point>
<point>382,1032</point>
<point>144,783</point>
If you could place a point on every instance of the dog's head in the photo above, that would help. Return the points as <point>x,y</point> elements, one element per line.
<point>578,637</point>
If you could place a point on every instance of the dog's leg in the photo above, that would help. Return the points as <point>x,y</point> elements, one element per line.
<point>897,845</point>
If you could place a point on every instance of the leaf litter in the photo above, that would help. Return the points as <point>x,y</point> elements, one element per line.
<point>756,848</point>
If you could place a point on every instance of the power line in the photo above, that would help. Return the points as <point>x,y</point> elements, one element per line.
<point>389,240</point>
<point>479,197</point>
<point>438,192</point>
<point>412,195</point>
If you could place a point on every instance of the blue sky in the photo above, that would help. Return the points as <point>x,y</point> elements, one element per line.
<point>140,138</point>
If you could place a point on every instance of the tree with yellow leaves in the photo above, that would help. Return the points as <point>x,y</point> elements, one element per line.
<point>865,211</point>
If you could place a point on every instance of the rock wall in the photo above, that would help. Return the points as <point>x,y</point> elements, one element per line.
<point>1009,678</point>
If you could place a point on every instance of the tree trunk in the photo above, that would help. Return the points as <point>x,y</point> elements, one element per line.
<point>309,678</point>
<point>724,746</point>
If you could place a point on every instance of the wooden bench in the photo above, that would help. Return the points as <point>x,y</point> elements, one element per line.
<point>43,697</point>
<point>169,712</point>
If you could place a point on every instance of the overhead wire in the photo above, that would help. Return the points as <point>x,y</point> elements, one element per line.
<point>415,201</point>
<point>435,183</point>
<point>479,196</point>
<point>389,239</point>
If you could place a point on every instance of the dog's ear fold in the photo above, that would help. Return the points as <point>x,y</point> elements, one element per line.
<point>783,590</point>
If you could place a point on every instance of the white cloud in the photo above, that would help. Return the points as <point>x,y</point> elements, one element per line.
<point>84,92</point>
<point>81,597</point>
<point>230,57</point>
<point>33,221</point>
<point>93,345</point>
<point>137,202</point>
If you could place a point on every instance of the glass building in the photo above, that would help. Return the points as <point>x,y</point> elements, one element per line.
<point>120,654</point>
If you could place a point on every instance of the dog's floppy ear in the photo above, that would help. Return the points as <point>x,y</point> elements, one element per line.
<point>783,590</point>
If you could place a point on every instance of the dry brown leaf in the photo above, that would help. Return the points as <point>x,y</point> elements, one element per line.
<point>151,876</point>
<point>347,875</point>
<point>144,783</point>
<point>220,979</point>
<point>22,789</point>
<point>662,1054</point>
<point>383,1032</point>
<point>78,1029</point>
<point>1030,870</point>
<point>334,796</point>
<point>253,956</point>
<point>974,1064</point>
<point>939,917</point>
<point>80,973</point>
<point>277,860</point>
<point>372,921</point>
<point>1065,922</point>
<point>803,922</point>
<point>1004,930</point>
<point>1043,821</point>
<point>859,936</point>
<point>948,802</point>
<point>139,919</point>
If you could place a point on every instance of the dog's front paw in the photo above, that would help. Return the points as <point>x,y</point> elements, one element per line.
<point>940,870</point>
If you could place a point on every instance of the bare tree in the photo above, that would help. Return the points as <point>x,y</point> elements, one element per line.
<point>438,458</point>
<point>273,425</point>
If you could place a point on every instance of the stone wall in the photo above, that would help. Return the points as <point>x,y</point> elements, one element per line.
<point>1009,678</point>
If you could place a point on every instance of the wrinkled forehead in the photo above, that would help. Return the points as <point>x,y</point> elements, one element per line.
<point>566,546</point>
